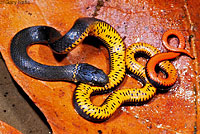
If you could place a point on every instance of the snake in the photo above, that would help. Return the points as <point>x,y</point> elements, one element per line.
<point>78,73</point>
<point>91,80</point>
<point>146,74</point>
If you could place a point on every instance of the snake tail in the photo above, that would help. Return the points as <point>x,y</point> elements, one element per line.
<point>169,70</point>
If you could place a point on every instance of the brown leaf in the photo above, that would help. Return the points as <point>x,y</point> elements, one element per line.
<point>138,21</point>
<point>6,129</point>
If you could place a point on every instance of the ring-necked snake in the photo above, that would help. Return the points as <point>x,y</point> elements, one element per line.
<point>82,72</point>
<point>102,30</point>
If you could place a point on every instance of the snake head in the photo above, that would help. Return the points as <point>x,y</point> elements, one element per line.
<point>91,75</point>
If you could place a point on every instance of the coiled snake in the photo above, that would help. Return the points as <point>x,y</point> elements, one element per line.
<point>88,75</point>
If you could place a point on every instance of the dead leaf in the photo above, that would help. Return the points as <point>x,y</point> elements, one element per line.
<point>6,129</point>
<point>138,21</point>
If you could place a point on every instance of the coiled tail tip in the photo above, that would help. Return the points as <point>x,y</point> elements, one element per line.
<point>187,53</point>
<point>191,56</point>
